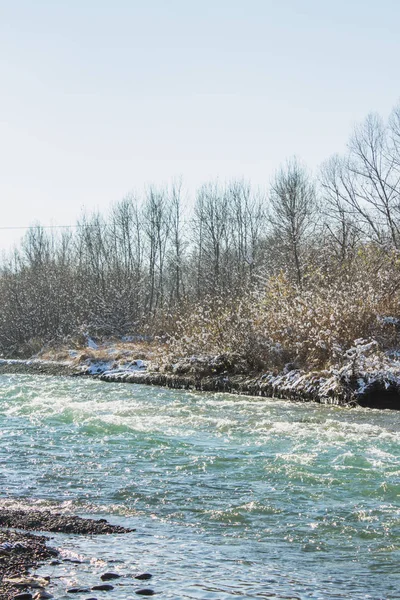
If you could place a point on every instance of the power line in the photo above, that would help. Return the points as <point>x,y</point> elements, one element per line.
<point>44,227</point>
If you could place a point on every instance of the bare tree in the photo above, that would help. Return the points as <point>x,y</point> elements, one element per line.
<point>211,237</point>
<point>248,221</point>
<point>394,134</point>
<point>366,181</point>
<point>376,177</point>
<point>177,243</point>
<point>293,213</point>
<point>343,233</point>
<point>156,217</point>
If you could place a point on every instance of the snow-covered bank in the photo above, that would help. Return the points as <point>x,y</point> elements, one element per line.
<point>365,377</point>
<point>376,391</point>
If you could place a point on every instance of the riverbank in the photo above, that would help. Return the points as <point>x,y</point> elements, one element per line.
<point>22,553</point>
<point>367,378</point>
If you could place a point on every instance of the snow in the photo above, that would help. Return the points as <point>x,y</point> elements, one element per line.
<point>389,320</point>
<point>359,369</point>
<point>92,344</point>
<point>136,338</point>
<point>111,367</point>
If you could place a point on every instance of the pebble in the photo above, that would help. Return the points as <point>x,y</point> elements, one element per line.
<point>43,595</point>
<point>18,546</point>
<point>27,581</point>
<point>109,576</point>
<point>74,561</point>
<point>144,576</point>
<point>104,587</point>
<point>78,590</point>
<point>145,592</point>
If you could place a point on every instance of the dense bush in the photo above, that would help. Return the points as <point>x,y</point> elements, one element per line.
<point>311,326</point>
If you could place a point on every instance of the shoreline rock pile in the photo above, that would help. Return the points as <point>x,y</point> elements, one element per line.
<point>21,553</point>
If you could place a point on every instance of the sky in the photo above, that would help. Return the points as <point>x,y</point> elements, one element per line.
<point>100,98</point>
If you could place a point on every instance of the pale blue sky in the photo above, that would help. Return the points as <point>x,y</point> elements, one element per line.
<point>102,97</point>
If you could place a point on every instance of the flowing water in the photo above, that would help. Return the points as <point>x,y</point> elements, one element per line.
<point>231,496</point>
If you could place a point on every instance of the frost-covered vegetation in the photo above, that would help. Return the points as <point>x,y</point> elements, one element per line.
<point>304,275</point>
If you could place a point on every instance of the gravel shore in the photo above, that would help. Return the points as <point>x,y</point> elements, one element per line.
<point>22,553</point>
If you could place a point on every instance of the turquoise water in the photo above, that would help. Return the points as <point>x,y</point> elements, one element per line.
<point>231,496</point>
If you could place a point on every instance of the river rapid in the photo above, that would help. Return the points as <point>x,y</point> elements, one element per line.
<point>230,496</point>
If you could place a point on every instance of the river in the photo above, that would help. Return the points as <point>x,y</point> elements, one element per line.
<point>230,496</point>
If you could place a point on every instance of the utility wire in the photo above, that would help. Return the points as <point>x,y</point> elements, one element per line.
<point>44,227</point>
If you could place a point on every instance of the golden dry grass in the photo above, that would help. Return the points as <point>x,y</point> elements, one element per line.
<point>108,350</point>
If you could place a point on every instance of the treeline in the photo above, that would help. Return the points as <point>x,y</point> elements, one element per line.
<point>152,266</point>
<point>130,270</point>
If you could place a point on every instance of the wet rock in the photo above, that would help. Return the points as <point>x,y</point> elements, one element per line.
<point>42,595</point>
<point>55,562</point>
<point>23,596</point>
<point>33,582</point>
<point>144,576</point>
<point>109,576</point>
<point>78,590</point>
<point>103,587</point>
<point>47,521</point>
<point>145,592</point>
<point>74,561</point>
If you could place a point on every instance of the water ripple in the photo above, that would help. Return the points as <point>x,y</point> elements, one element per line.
<point>231,496</point>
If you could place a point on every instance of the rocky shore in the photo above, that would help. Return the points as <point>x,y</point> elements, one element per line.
<point>38,520</point>
<point>19,554</point>
<point>22,553</point>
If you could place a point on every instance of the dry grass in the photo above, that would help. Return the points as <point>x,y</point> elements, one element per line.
<point>312,326</point>
<point>108,350</point>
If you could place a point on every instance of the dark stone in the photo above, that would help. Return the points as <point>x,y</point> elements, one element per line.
<point>23,596</point>
<point>377,395</point>
<point>145,592</point>
<point>144,576</point>
<point>74,561</point>
<point>109,576</point>
<point>104,587</point>
<point>78,590</point>
<point>55,562</point>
